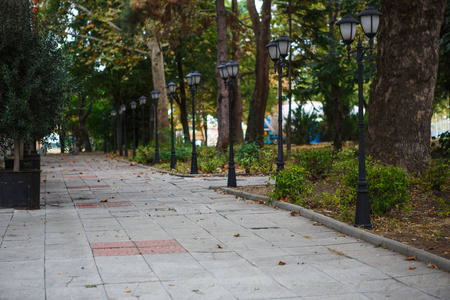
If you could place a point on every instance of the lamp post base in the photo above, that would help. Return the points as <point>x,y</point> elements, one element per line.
<point>231,176</point>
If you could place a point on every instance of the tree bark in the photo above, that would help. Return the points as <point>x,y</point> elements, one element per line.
<point>401,103</point>
<point>182,100</point>
<point>159,83</point>
<point>261,30</point>
<point>82,120</point>
<point>222,94</point>
<point>237,106</point>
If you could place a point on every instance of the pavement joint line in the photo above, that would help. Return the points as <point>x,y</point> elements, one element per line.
<point>440,262</point>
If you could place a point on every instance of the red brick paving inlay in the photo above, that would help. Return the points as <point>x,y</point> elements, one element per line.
<point>136,248</point>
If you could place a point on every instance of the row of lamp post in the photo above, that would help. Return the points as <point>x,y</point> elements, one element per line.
<point>278,51</point>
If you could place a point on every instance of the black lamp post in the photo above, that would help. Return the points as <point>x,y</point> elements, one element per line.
<point>120,137</point>
<point>230,70</point>
<point>155,97</point>
<point>171,87</point>
<point>142,101</point>
<point>104,133</point>
<point>113,115</point>
<point>193,79</point>
<point>370,19</point>
<point>123,108</point>
<point>278,51</point>
<point>133,108</point>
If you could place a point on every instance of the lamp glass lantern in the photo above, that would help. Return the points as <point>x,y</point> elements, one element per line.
<point>155,95</point>
<point>171,87</point>
<point>223,70</point>
<point>142,100</point>
<point>274,51</point>
<point>196,76</point>
<point>284,45</point>
<point>133,105</point>
<point>232,68</point>
<point>123,108</point>
<point>189,79</point>
<point>113,113</point>
<point>347,26</point>
<point>370,20</point>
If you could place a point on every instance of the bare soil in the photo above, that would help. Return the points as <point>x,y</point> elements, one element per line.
<point>423,226</point>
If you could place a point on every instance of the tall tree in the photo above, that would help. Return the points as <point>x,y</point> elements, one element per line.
<point>261,31</point>
<point>401,104</point>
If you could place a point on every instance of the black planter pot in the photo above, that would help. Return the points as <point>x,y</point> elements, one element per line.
<point>20,189</point>
<point>29,162</point>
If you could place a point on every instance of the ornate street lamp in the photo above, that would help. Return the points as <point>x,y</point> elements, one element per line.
<point>370,19</point>
<point>123,108</point>
<point>193,79</point>
<point>120,137</point>
<point>278,51</point>
<point>113,115</point>
<point>155,97</point>
<point>171,87</point>
<point>133,108</point>
<point>230,70</point>
<point>142,101</point>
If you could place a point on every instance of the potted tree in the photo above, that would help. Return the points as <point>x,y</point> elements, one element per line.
<point>32,92</point>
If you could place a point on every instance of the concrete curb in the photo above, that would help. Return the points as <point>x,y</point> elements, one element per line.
<point>440,262</point>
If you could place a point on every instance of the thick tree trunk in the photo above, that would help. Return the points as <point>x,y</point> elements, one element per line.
<point>82,119</point>
<point>182,100</point>
<point>401,104</point>
<point>261,30</point>
<point>222,94</point>
<point>159,83</point>
<point>237,106</point>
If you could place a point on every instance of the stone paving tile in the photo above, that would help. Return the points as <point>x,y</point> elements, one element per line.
<point>181,237</point>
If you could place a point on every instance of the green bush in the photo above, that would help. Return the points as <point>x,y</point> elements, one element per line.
<point>317,162</point>
<point>443,149</point>
<point>254,159</point>
<point>145,155</point>
<point>437,175</point>
<point>292,185</point>
<point>210,159</point>
<point>388,187</point>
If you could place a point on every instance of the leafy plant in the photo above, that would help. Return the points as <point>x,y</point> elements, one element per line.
<point>255,159</point>
<point>437,175</point>
<point>291,185</point>
<point>210,159</point>
<point>305,128</point>
<point>387,186</point>
<point>317,162</point>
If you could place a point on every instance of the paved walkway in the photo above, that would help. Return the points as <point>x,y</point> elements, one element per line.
<point>110,230</point>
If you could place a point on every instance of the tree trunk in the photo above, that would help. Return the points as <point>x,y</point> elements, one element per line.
<point>237,106</point>
<point>182,100</point>
<point>261,30</point>
<point>16,166</point>
<point>159,83</point>
<point>82,119</point>
<point>222,94</point>
<point>401,104</point>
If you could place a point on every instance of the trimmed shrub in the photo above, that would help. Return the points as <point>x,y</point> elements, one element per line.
<point>291,185</point>
<point>317,162</point>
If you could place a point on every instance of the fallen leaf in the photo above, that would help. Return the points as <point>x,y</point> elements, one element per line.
<point>412,268</point>
<point>98,180</point>
<point>127,291</point>
<point>411,258</point>
<point>317,224</point>
<point>91,286</point>
<point>104,200</point>
<point>237,235</point>
<point>281,263</point>
<point>260,202</point>
<point>446,250</point>
<point>218,246</point>
<point>295,213</point>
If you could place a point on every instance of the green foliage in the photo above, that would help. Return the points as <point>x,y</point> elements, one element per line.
<point>33,76</point>
<point>254,159</point>
<point>292,185</point>
<point>443,149</point>
<point>388,187</point>
<point>437,176</point>
<point>210,159</point>
<point>317,162</point>
<point>304,127</point>
<point>145,155</point>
